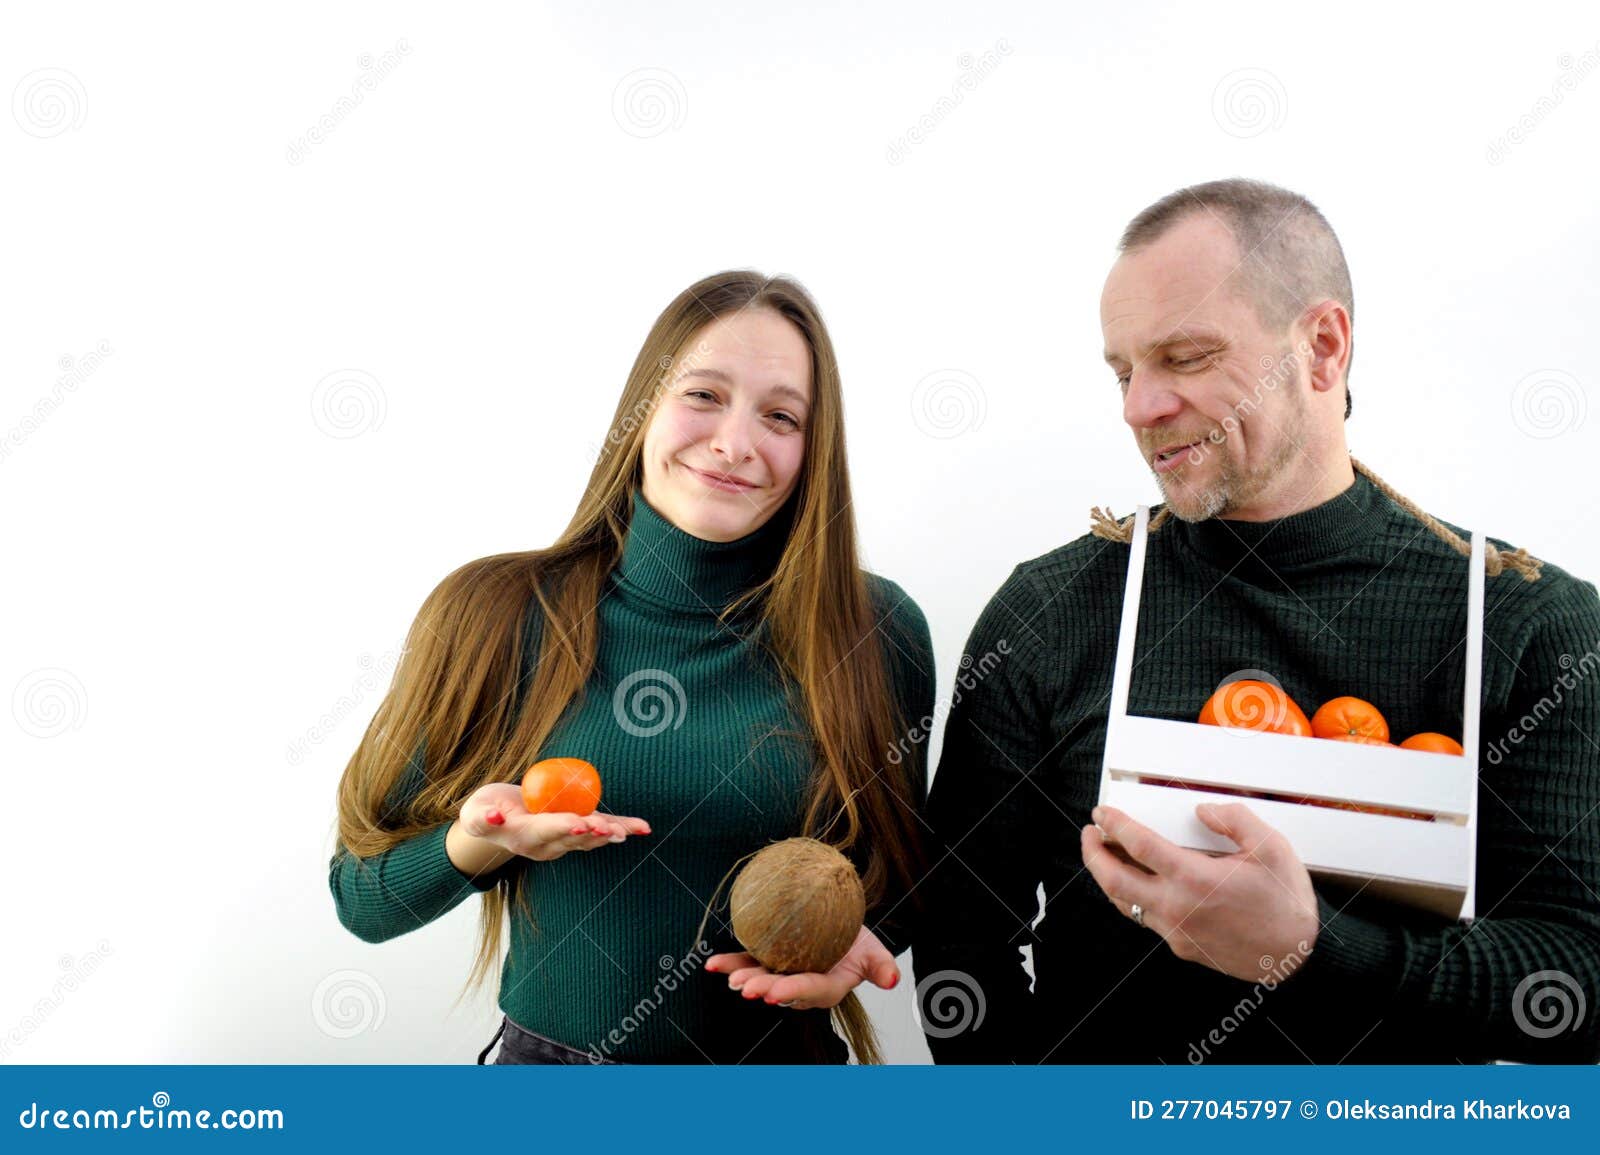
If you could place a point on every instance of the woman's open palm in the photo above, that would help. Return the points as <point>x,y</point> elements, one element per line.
<point>541,837</point>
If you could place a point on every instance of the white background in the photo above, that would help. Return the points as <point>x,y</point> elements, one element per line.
<point>214,547</point>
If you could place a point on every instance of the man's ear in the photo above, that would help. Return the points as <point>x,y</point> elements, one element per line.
<point>1327,331</point>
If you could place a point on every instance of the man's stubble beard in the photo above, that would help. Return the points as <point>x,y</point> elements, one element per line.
<point>1235,487</point>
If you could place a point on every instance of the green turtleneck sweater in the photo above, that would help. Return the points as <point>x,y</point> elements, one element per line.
<point>694,730</point>
<point>1354,596</point>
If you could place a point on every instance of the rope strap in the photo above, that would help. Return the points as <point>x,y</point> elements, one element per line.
<point>1103,525</point>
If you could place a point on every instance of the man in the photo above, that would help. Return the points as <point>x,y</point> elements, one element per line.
<point>1228,325</point>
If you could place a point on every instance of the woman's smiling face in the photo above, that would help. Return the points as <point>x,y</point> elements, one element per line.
<point>723,449</point>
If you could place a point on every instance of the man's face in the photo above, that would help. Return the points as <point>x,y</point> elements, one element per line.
<point>1216,401</point>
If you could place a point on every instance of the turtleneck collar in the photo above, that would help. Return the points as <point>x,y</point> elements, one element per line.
<point>674,566</point>
<point>1325,530</point>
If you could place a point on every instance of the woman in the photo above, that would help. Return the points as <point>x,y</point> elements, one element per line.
<point>703,633</point>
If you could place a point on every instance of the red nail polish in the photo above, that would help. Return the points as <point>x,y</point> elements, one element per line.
<point>496,818</point>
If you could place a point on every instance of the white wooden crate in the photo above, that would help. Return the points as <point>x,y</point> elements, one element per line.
<point>1429,864</point>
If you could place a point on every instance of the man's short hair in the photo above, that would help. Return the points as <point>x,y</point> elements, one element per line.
<point>1289,257</point>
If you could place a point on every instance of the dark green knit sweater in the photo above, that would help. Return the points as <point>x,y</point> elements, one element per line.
<point>694,730</point>
<point>1353,596</point>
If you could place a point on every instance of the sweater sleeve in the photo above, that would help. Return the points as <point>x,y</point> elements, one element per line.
<point>413,883</point>
<point>1512,984</point>
<point>908,648</point>
<point>974,997</point>
<point>407,886</point>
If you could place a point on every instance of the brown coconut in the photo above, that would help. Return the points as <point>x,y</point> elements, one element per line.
<point>797,906</point>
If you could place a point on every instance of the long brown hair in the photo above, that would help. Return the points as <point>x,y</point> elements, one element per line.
<point>456,683</point>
